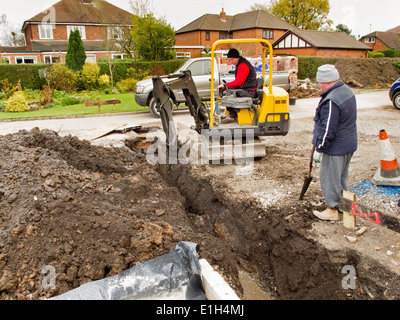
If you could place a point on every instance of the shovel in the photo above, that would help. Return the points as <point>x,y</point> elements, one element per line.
<point>307,179</point>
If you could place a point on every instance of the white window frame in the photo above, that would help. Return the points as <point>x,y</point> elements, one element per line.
<point>183,55</point>
<point>51,58</point>
<point>268,34</point>
<point>115,32</point>
<point>45,31</point>
<point>82,31</point>
<point>24,58</point>
<point>7,59</point>
<point>91,56</point>
<point>370,40</point>
<point>113,56</point>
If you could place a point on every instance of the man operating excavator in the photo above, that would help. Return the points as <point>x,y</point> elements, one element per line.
<point>245,79</point>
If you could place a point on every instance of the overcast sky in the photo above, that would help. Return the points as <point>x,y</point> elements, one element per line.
<point>359,16</point>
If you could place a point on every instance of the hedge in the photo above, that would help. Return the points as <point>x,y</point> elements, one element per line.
<point>120,67</point>
<point>31,75</point>
<point>308,66</point>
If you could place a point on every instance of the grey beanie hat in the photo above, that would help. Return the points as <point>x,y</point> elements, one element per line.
<point>327,73</point>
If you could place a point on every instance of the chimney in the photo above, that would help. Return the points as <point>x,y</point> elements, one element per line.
<point>222,15</point>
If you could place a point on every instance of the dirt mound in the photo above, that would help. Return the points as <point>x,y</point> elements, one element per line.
<point>368,72</point>
<point>81,213</point>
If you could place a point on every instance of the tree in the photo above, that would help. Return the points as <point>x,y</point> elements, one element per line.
<point>305,14</point>
<point>76,56</point>
<point>153,38</point>
<point>10,34</point>
<point>343,28</point>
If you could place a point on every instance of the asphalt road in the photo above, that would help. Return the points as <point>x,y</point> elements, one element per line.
<point>89,127</point>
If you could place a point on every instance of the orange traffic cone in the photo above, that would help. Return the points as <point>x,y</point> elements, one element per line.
<point>389,172</point>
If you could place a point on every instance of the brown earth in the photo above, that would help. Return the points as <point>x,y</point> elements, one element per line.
<point>368,72</point>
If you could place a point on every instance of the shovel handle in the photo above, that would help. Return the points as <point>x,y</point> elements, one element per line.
<point>311,160</point>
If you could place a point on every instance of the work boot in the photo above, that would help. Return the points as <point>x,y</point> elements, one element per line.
<point>328,214</point>
<point>228,119</point>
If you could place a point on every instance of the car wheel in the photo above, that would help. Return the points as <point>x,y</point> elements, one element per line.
<point>154,110</point>
<point>396,100</point>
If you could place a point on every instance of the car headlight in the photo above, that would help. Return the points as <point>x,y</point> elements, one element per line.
<point>139,89</point>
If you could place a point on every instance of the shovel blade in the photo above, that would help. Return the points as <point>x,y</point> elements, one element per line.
<point>306,184</point>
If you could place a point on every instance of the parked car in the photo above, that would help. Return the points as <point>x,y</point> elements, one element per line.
<point>394,94</point>
<point>201,73</point>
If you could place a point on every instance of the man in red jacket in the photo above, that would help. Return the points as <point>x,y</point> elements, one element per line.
<point>245,79</point>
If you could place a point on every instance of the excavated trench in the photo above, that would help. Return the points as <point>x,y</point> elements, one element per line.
<point>275,246</point>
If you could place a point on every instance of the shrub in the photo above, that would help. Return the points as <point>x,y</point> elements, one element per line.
<point>137,73</point>
<point>17,103</point>
<point>89,76</point>
<point>377,55</point>
<point>104,80</point>
<point>127,85</point>
<point>46,95</point>
<point>397,64</point>
<point>308,66</point>
<point>61,78</point>
<point>68,101</point>
<point>7,88</point>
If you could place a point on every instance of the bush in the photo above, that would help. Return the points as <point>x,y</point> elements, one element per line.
<point>376,54</point>
<point>68,101</point>
<point>61,78</point>
<point>127,85</point>
<point>104,80</point>
<point>397,64</point>
<point>89,76</point>
<point>31,75</point>
<point>308,66</point>
<point>17,103</point>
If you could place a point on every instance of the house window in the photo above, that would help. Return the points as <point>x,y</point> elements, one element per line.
<point>118,56</point>
<point>115,33</point>
<point>52,59</point>
<point>207,35</point>
<point>6,59</point>
<point>45,31</point>
<point>81,29</point>
<point>268,34</point>
<point>90,58</point>
<point>370,40</point>
<point>22,60</point>
<point>223,35</point>
<point>183,55</point>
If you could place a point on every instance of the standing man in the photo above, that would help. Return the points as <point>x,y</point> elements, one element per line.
<point>335,136</point>
<point>245,79</point>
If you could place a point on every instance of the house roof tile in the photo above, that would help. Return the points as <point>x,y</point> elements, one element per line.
<point>325,39</point>
<point>74,11</point>
<point>241,21</point>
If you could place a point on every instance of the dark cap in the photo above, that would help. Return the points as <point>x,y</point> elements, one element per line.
<point>233,53</point>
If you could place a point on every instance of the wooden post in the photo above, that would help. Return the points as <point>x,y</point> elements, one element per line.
<point>349,221</point>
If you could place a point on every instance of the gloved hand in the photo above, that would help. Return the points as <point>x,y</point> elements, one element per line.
<point>317,156</point>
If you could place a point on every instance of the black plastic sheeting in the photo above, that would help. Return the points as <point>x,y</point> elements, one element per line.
<point>176,275</point>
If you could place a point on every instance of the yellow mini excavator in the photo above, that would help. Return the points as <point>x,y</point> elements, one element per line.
<point>264,114</point>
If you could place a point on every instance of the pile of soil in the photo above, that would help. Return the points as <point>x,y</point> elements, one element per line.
<point>368,72</point>
<point>82,212</point>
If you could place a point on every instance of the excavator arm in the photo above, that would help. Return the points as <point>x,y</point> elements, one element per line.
<point>162,94</point>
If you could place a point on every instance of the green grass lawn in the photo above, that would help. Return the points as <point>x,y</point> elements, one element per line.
<point>127,104</point>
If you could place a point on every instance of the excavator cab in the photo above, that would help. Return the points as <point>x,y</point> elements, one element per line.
<point>265,113</point>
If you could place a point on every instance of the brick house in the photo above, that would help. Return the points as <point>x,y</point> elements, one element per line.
<point>100,24</point>
<point>195,37</point>
<point>320,44</point>
<point>380,40</point>
<point>192,39</point>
